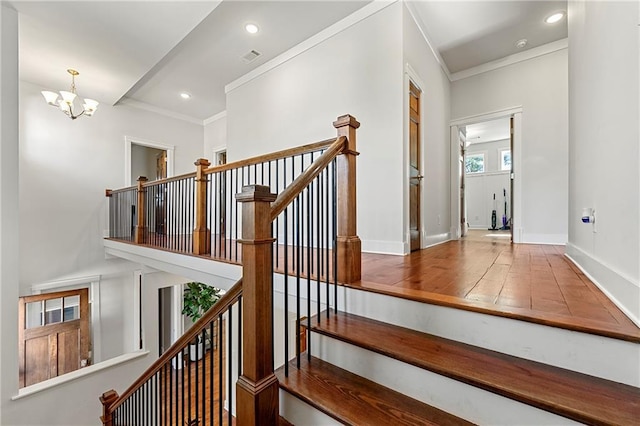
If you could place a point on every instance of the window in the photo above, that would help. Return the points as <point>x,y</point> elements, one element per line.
<point>474,163</point>
<point>505,159</point>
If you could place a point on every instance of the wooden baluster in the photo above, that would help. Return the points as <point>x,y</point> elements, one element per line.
<point>107,399</point>
<point>348,245</point>
<point>141,226</point>
<point>257,388</point>
<point>201,234</point>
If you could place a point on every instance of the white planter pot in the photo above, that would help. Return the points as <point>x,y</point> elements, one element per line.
<point>196,351</point>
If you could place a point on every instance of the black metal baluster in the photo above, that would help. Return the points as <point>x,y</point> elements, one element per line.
<point>211,374</point>
<point>309,246</point>
<point>286,292</point>
<point>335,233</point>
<point>326,207</point>
<point>298,256</point>
<point>318,251</point>
<point>220,382</point>
<point>203,394</point>
<point>230,365</point>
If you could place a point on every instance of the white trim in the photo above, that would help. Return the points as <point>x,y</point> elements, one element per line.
<point>384,247</point>
<point>161,111</point>
<point>471,175</point>
<point>215,117</point>
<point>516,159</point>
<point>620,287</point>
<point>93,284</point>
<point>422,28</point>
<point>357,16</point>
<point>434,240</point>
<point>511,59</point>
<point>73,375</point>
<point>543,239</point>
<point>492,115</point>
<point>132,140</point>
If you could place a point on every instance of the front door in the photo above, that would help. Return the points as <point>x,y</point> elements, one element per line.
<point>53,335</point>
<point>415,177</point>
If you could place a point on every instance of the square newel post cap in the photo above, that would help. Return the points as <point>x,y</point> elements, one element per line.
<point>346,120</point>
<point>142,179</point>
<point>256,193</point>
<point>202,162</point>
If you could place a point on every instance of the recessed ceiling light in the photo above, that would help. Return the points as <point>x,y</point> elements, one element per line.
<point>552,19</point>
<point>251,28</point>
<point>185,95</point>
<point>521,43</point>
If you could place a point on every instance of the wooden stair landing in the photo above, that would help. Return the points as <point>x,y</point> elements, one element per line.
<point>354,400</point>
<point>566,393</point>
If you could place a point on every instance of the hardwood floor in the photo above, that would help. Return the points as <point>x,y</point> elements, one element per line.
<point>529,282</point>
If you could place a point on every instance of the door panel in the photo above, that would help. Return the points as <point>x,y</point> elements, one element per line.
<point>53,335</point>
<point>415,177</point>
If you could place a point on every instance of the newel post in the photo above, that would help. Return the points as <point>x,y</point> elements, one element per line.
<point>141,226</point>
<point>257,388</point>
<point>201,234</point>
<point>348,244</point>
<point>107,399</point>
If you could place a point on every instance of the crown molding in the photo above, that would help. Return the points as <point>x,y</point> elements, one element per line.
<point>147,107</point>
<point>423,30</point>
<point>357,16</point>
<point>215,117</point>
<point>512,59</point>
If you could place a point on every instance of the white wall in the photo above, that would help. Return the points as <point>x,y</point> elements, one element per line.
<point>65,167</point>
<point>604,135</point>
<point>435,107</point>
<point>540,86</point>
<point>9,212</point>
<point>215,137</point>
<point>359,72</point>
<point>480,187</point>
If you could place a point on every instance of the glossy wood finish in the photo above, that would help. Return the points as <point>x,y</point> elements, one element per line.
<point>348,244</point>
<point>354,400</point>
<point>577,396</point>
<point>535,283</point>
<point>201,234</point>
<point>257,388</point>
<point>140,229</point>
<point>415,177</point>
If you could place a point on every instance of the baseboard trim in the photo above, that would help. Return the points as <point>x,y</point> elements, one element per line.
<point>383,247</point>
<point>434,240</point>
<point>552,239</point>
<point>621,290</point>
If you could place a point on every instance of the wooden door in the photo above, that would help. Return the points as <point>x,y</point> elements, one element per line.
<point>463,206</point>
<point>53,335</point>
<point>415,178</point>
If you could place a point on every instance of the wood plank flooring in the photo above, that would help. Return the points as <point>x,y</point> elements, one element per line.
<point>529,282</point>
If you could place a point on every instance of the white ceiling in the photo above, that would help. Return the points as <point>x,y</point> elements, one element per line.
<point>488,131</point>
<point>147,52</point>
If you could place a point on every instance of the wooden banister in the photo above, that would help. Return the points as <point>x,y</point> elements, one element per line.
<point>348,244</point>
<point>141,225</point>
<point>257,388</point>
<point>302,181</point>
<point>201,234</point>
<point>303,149</point>
<point>228,299</point>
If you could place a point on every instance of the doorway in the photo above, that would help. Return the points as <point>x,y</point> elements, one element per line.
<point>485,186</point>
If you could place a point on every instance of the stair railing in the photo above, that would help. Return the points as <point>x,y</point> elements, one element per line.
<point>192,382</point>
<point>313,219</point>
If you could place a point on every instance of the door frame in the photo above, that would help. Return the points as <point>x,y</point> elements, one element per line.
<point>131,140</point>
<point>516,164</point>
<point>410,75</point>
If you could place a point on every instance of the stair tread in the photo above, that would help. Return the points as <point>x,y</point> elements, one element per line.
<point>354,400</point>
<point>567,393</point>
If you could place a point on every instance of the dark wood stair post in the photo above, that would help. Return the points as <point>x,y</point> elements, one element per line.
<point>107,399</point>
<point>257,388</point>
<point>201,234</point>
<point>348,245</point>
<point>141,227</point>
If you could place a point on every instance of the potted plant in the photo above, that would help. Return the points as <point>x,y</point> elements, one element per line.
<point>197,299</point>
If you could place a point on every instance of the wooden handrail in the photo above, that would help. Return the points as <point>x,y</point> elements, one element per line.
<point>228,299</point>
<point>303,149</point>
<point>303,180</point>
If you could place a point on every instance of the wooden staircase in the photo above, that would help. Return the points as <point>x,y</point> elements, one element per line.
<point>527,391</point>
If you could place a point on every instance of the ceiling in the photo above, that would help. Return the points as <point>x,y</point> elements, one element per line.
<point>488,131</point>
<point>147,52</point>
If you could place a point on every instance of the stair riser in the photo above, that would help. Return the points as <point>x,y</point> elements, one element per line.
<point>611,359</point>
<point>458,398</point>
<point>300,413</point>
<point>599,356</point>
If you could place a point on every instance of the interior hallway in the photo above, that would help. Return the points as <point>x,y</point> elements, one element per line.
<point>529,282</point>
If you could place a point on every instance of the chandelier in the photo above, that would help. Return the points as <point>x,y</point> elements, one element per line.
<point>66,103</point>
